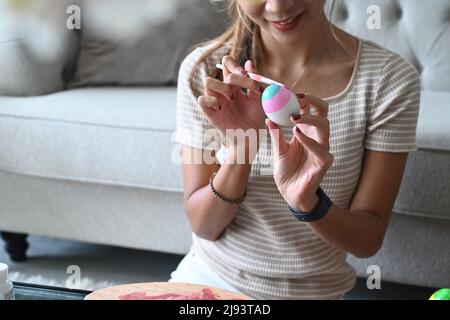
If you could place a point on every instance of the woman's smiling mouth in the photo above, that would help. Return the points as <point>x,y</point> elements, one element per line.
<point>287,24</point>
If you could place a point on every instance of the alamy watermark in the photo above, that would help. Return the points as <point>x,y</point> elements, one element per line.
<point>373,21</point>
<point>74,280</point>
<point>236,146</point>
<point>374,279</point>
<point>74,17</point>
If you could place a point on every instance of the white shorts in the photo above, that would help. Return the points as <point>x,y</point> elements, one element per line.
<point>193,269</point>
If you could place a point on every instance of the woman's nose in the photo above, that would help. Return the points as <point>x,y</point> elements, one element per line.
<point>279,6</point>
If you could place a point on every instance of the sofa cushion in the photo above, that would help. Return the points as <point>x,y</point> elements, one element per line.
<point>425,44</point>
<point>433,131</point>
<point>23,71</point>
<point>119,136</point>
<point>425,189</point>
<point>152,59</point>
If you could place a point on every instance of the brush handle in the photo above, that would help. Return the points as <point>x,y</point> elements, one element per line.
<point>265,80</point>
<point>257,77</point>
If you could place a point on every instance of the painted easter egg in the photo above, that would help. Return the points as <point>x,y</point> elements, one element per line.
<point>442,294</point>
<point>279,104</point>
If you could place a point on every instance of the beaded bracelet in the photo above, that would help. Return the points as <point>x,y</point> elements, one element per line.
<point>221,197</point>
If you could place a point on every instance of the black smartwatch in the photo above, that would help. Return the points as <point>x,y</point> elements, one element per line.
<point>318,212</point>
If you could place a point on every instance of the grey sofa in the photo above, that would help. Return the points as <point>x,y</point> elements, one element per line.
<point>95,164</point>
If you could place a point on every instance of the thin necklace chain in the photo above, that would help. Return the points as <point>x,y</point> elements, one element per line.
<point>306,66</point>
<point>301,74</point>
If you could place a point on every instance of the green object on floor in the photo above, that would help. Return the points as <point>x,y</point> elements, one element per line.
<point>441,294</point>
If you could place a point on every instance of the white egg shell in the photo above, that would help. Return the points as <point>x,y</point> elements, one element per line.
<point>282,116</point>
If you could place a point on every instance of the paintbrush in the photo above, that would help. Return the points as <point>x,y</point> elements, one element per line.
<point>257,77</point>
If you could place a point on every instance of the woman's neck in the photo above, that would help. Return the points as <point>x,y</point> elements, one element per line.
<point>288,57</point>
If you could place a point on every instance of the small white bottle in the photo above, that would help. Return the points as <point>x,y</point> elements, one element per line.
<point>6,286</point>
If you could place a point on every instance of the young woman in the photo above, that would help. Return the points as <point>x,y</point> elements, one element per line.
<point>279,226</point>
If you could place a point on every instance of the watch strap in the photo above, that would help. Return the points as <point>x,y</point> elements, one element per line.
<point>318,212</point>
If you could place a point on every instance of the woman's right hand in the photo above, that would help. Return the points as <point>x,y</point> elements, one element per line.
<point>224,103</point>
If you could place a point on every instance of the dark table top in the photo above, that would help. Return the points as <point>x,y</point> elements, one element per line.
<point>26,291</point>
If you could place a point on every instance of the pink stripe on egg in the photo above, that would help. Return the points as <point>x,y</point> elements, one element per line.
<point>278,101</point>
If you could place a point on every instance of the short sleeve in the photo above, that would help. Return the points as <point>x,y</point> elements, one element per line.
<point>192,127</point>
<point>392,119</point>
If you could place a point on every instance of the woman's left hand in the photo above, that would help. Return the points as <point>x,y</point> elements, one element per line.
<point>300,166</point>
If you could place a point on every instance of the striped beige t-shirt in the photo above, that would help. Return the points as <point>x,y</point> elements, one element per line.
<point>265,252</point>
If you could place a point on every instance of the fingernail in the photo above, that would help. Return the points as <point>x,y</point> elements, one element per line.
<point>244,72</point>
<point>296,116</point>
<point>301,96</point>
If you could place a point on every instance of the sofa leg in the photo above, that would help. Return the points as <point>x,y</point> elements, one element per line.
<point>16,245</point>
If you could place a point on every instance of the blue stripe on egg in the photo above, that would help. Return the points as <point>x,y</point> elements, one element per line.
<point>270,92</point>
